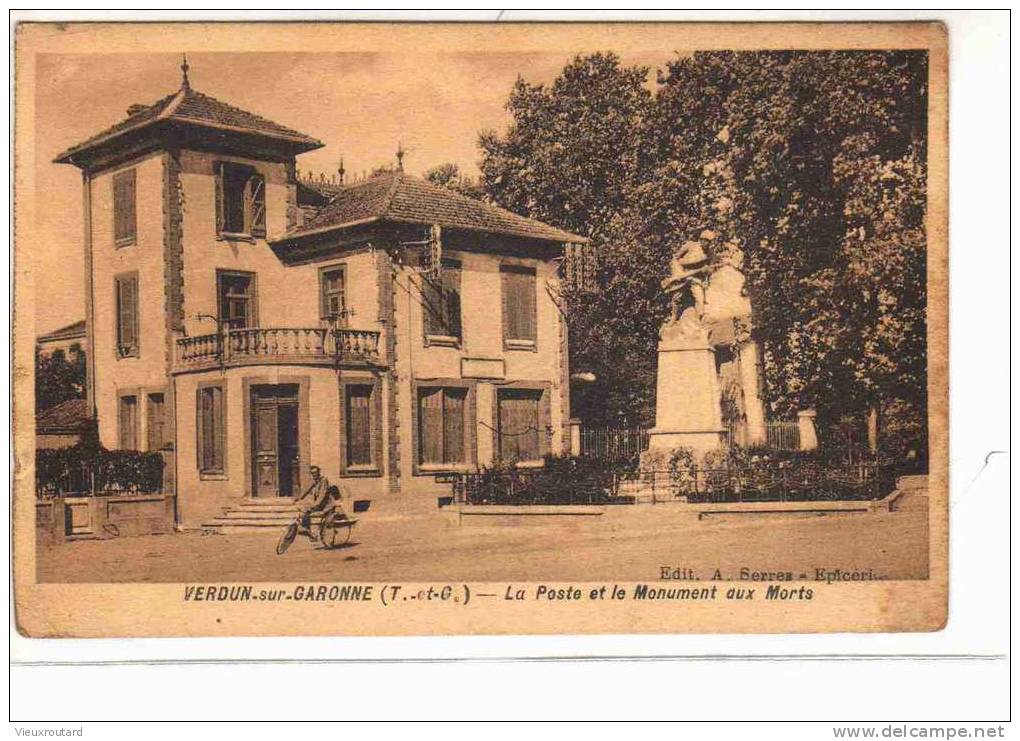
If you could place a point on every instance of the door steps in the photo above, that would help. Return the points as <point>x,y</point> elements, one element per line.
<point>255,515</point>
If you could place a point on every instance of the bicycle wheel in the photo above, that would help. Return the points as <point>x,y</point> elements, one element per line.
<point>327,532</point>
<point>286,539</point>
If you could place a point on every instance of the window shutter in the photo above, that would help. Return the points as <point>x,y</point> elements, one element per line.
<point>519,425</point>
<point>526,281</point>
<point>519,305</point>
<point>220,208</point>
<point>509,325</point>
<point>432,307</point>
<point>257,204</point>
<point>155,422</point>
<point>124,216</point>
<point>218,431</point>
<point>211,443</point>
<point>453,425</point>
<point>359,425</point>
<point>127,314</point>
<point>430,425</point>
<point>451,299</point>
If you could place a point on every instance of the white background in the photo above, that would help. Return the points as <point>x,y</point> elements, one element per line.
<point>968,684</point>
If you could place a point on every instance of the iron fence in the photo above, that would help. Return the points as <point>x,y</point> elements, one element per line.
<point>530,487</point>
<point>790,483</point>
<point>793,483</point>
<point>781,435</point>
<point>613,443</point>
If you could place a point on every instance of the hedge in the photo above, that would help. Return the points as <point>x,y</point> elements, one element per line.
<point>76,470</point>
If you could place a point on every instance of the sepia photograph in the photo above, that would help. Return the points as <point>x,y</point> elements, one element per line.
<point>626,321</point>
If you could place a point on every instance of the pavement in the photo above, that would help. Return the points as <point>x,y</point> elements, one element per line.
<point>627,543</point>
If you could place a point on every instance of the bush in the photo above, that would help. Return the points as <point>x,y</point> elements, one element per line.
<point>76,469</point>
<point>561,480</point>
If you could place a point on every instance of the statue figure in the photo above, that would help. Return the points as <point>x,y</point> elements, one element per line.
<point>686,282</point>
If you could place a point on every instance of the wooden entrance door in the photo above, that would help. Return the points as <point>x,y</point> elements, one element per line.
<point>275,449</point>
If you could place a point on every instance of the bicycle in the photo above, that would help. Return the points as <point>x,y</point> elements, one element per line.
<point>333,531</point>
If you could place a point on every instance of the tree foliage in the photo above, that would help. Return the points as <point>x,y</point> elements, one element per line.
<point>59,376</point>
<point>813,163</point>
<point>450,176</point>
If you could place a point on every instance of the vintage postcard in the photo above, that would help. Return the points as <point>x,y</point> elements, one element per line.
<point>401,329</point>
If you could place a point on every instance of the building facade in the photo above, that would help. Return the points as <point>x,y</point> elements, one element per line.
<point>386,331</point>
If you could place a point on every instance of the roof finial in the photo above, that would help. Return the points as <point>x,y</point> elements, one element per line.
<point>185,83</point>
<point>400,156</point>
<point>341,170</point>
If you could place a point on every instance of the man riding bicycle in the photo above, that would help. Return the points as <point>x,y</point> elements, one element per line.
<point>323,494</point>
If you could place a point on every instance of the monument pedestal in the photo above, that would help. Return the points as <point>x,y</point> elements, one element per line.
<point>687,406</point>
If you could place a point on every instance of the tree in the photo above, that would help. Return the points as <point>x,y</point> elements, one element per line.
<point>448,175</point>
<point>812,163</point>
<point>566,159</point>
<point>59,376</point>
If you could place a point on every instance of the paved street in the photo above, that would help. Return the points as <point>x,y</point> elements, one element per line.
<point>627,543</point>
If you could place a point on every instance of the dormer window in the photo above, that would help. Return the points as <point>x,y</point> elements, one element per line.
<point>240,201</point>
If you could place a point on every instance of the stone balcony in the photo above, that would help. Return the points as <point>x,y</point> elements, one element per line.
<point>277,346</point>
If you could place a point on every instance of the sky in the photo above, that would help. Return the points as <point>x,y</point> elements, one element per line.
<point>360,104</point>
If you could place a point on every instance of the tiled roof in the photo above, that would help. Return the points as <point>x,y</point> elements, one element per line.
<point>65,416</point>
<point>192,107</point>
<point>396,196</point>
<point>64,333</point>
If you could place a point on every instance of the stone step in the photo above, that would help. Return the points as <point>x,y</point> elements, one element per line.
<point>266,503</point>
<point>268,510</point>
<point>216,523</point>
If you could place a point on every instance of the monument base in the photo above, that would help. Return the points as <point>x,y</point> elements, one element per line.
<point>698,441</point>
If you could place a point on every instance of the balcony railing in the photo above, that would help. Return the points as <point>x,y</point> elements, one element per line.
<point>261,345</point>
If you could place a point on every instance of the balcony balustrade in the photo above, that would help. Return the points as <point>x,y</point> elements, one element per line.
<point>278,345</point>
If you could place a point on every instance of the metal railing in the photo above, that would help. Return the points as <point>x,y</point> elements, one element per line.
<point>782,435</point>
<point>530,487</point>
<point>251,346</point>
<point>799,483</point>
<point>613,443</point>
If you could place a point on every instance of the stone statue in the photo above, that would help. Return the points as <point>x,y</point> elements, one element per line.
<point>686,282</point>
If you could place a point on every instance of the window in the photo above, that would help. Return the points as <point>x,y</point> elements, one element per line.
<point>441,427</point>
<point>519,320</point>
<point>441,305</point>
<point>236,299</point>
<point>358,424</point>
<point>211,439</point>
<point>240,200</point>
<point>124,219</point>
<point>156,423</point>
<point>127,418</point>
<point>331,292</point>
<point>126,288</point>
<point>518,424</point>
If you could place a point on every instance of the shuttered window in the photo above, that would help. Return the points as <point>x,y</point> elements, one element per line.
<point>211,440</point>
<point>124,216</point>
<point>127,438</point>
<point>441,302</point>
<point>255,196</point>
<point>441,428</point>
<point>240,200</point>
<point>358,414</point>
<point>519,426</point>
<point>332,297</point>
<point>126,289</point>
<point>156,422</point>
<point>519,306</point>
<point>236,299</point>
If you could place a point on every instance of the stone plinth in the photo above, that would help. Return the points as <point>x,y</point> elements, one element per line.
<point>687,408</point>
<point>806,427</point>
